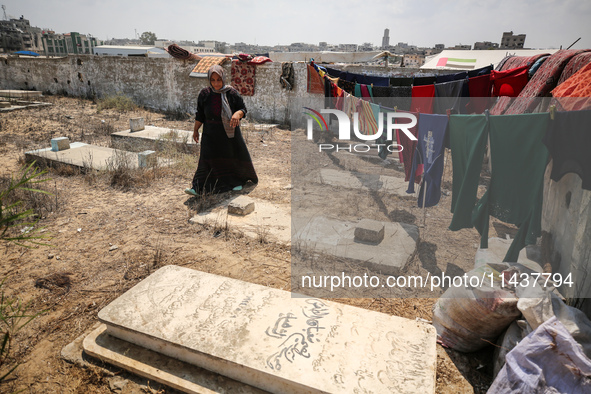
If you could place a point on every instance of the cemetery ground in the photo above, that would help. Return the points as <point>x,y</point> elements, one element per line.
<point>107,230</point>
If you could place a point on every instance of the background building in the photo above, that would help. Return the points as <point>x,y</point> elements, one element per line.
<point>512,41</point>
<point>19,35</point>
<point>69,43</point>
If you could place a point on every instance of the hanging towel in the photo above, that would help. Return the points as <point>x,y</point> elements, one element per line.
<point>422,99</point>
<point>468,136</point>
<point>518,159</point>
<point>429,152</point>
<point>568,140</point>
<point>315,83</point>
<point>401,81</point>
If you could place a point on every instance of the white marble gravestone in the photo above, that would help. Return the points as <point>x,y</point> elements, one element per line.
<point>271,340</point>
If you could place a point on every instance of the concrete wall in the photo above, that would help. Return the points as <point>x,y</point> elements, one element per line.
<point>567,216</point>
<point>162,84</point>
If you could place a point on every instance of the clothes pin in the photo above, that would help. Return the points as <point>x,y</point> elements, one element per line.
<point>552,111</point>
<point>448,112</point>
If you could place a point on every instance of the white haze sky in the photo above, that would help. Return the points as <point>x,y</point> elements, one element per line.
<point>547,23</point>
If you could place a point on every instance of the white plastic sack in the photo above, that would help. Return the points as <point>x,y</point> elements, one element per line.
<point>470,318</point>
<point>518,330</point>
<point>539,305</point>
<point>548,360</point>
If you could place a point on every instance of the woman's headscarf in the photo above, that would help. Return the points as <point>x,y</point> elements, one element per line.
<point>226,110</point>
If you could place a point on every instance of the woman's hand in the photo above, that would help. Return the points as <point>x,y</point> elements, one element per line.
<point>235,121</point>
<point>196,131</point>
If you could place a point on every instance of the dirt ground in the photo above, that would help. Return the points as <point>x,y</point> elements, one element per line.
<point>108,234</point>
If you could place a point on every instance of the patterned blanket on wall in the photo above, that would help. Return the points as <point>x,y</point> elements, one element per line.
<point>243,77</point>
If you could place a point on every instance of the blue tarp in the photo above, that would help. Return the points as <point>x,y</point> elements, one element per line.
<point>30,53</point>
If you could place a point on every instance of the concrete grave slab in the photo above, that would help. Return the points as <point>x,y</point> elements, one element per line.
<point>337,238</point>
<point>272,340</point>
<point>272,221</point>
<point>530,256</point>
<point>81,155</point>
<point>18,105</point>
<point>159,367</point>
<point>26,94</point>
<point>152,137</point>
<point>351,180</point>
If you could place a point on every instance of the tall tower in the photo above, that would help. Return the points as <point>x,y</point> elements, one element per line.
<point>386,39</point>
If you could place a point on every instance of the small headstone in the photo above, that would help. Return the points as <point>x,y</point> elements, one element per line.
<point>241,205</point>
<point>369,231</point>
<point>136,124</point>
<point>147,159</point>
<point>60,143</point>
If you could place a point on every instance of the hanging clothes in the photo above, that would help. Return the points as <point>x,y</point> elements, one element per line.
<point>480,71</point>
<point>287,77</point>
<point>480,90</point>
<point>409,148</point>
<point>368,121</point>
<point>421,81</point>
<point>568,140</point>
<point>429,152</point>
<point>515,78</point>
<point>451,77</point>
<point>392,96</point>
<point>451,95</point>
<point>518,159</point>
<point>401,81</point>
<point>468,136</point>
<point>347,86</point>
<point>422,99</point>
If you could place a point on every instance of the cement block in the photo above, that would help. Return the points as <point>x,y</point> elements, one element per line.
<point>270,339</point>
<point>59,144</point>
<point>147,159</point>
<point>241,205</point>
<point>136,124</point>
<point>368,230</point>
<point>4,104</point>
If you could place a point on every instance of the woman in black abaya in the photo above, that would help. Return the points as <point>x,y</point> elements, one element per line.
<point>224,161</point>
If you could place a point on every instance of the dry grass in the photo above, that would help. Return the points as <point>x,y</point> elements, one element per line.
<point>118,102</point>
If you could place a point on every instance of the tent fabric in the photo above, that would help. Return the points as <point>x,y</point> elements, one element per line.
<point>467,60</point>
<point>543,81</point>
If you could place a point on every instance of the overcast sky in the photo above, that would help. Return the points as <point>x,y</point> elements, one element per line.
<point>547,23</point>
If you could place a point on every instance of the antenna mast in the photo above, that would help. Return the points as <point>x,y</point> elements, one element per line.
<point>4,10</point>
